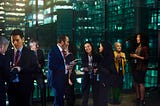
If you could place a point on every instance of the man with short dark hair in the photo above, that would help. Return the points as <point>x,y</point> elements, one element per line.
<point>23,64</point>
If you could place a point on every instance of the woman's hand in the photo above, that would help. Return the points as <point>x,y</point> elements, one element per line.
<point>133,55</point>
<point>70,82</point>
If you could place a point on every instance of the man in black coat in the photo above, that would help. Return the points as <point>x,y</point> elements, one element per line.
<point>39,77</point>
<point>23,64</point>
<point>4,69</point>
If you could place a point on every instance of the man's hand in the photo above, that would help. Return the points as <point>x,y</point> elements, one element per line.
<point>69,67</point>
<point>16,67</point>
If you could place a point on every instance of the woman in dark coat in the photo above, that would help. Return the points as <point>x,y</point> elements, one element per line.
<point>107,72</point>
<point>4,69</point>
<point>70,58</point>
<point>89,64</point>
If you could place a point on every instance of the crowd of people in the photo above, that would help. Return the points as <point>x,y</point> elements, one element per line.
<point>103,69</point>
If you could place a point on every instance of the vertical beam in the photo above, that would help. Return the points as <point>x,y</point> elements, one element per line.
<point>137,6</point>
<point>158,57</point>
<point>157,7</point>
<point>73,24</point>
<point>37,19</point>
<point>105,21</point>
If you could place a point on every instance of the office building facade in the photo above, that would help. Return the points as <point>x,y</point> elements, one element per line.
<point>12,15</point>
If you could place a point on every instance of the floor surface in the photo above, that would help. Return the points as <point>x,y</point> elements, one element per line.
<point>127,99</point>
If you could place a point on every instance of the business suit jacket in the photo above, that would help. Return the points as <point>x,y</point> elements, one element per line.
<point>87,81</point>
<point>40,57</point>
<point>57,66</point>
<point>22,89</point>
<point>40,60</point>
<point>56,77</point>
<point>4,72</point>
<point>143,64</point>
<point>85,60</point>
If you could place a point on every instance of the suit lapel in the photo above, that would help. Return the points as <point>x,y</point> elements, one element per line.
<point>58,52</point>
<point>12,57</point>
<point>22,56</point>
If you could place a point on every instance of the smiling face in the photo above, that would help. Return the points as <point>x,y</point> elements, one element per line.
<point>17,41</point>
<point>138,38</point>
<point>118,47</point>
<point>33,46</point>
<point>88,48</point>
<point>100,48</point>
<point>66,43</point>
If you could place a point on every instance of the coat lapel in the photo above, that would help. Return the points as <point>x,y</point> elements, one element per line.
<point>58,52</point>
<point>22,56</point>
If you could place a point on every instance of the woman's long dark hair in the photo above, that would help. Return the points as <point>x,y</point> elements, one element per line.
<point>72,48</point>
<point>107,52</point>
<point>144,41</point>
<point>107,47</point>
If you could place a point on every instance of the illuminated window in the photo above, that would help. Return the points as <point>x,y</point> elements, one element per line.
<point>15,14</point>
<point>63,7</point>
<point>33,2</point>
<point>40,16</point>
<point>20,9</point>
<point>2,12</point>
<point>30,24</point>
<point>1,8</point>
<point>47,11</point>
<point>48,2</point>
<point>20,4</point>
<point>54,18</point>
<point>40,2</point>
<point>47,20</point>
<point>1,17</point>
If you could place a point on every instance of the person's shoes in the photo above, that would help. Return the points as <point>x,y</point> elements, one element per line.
<point>116,102</point>
<point>142,103</point>
<point>138,101</point>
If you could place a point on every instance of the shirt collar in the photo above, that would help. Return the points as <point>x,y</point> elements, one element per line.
<point>20,49</point>
<point>59,48</point>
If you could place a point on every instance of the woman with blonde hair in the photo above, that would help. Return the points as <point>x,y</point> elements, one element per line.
<point>120,61</point>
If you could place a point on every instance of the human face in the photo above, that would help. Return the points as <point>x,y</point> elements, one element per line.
<point>33,46</point>
<point>100,48</point>
<point>118,47</point>
<point>3,49</point>
<point>88,48</point>
<point>66,43</point>
<point>17,41</point>
<point>138,38</point>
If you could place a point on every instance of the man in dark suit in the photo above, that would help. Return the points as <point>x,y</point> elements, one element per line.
<point>58,69</point>
<point>4,69</point>
<point>23,64</point>
<point>39,77</point>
